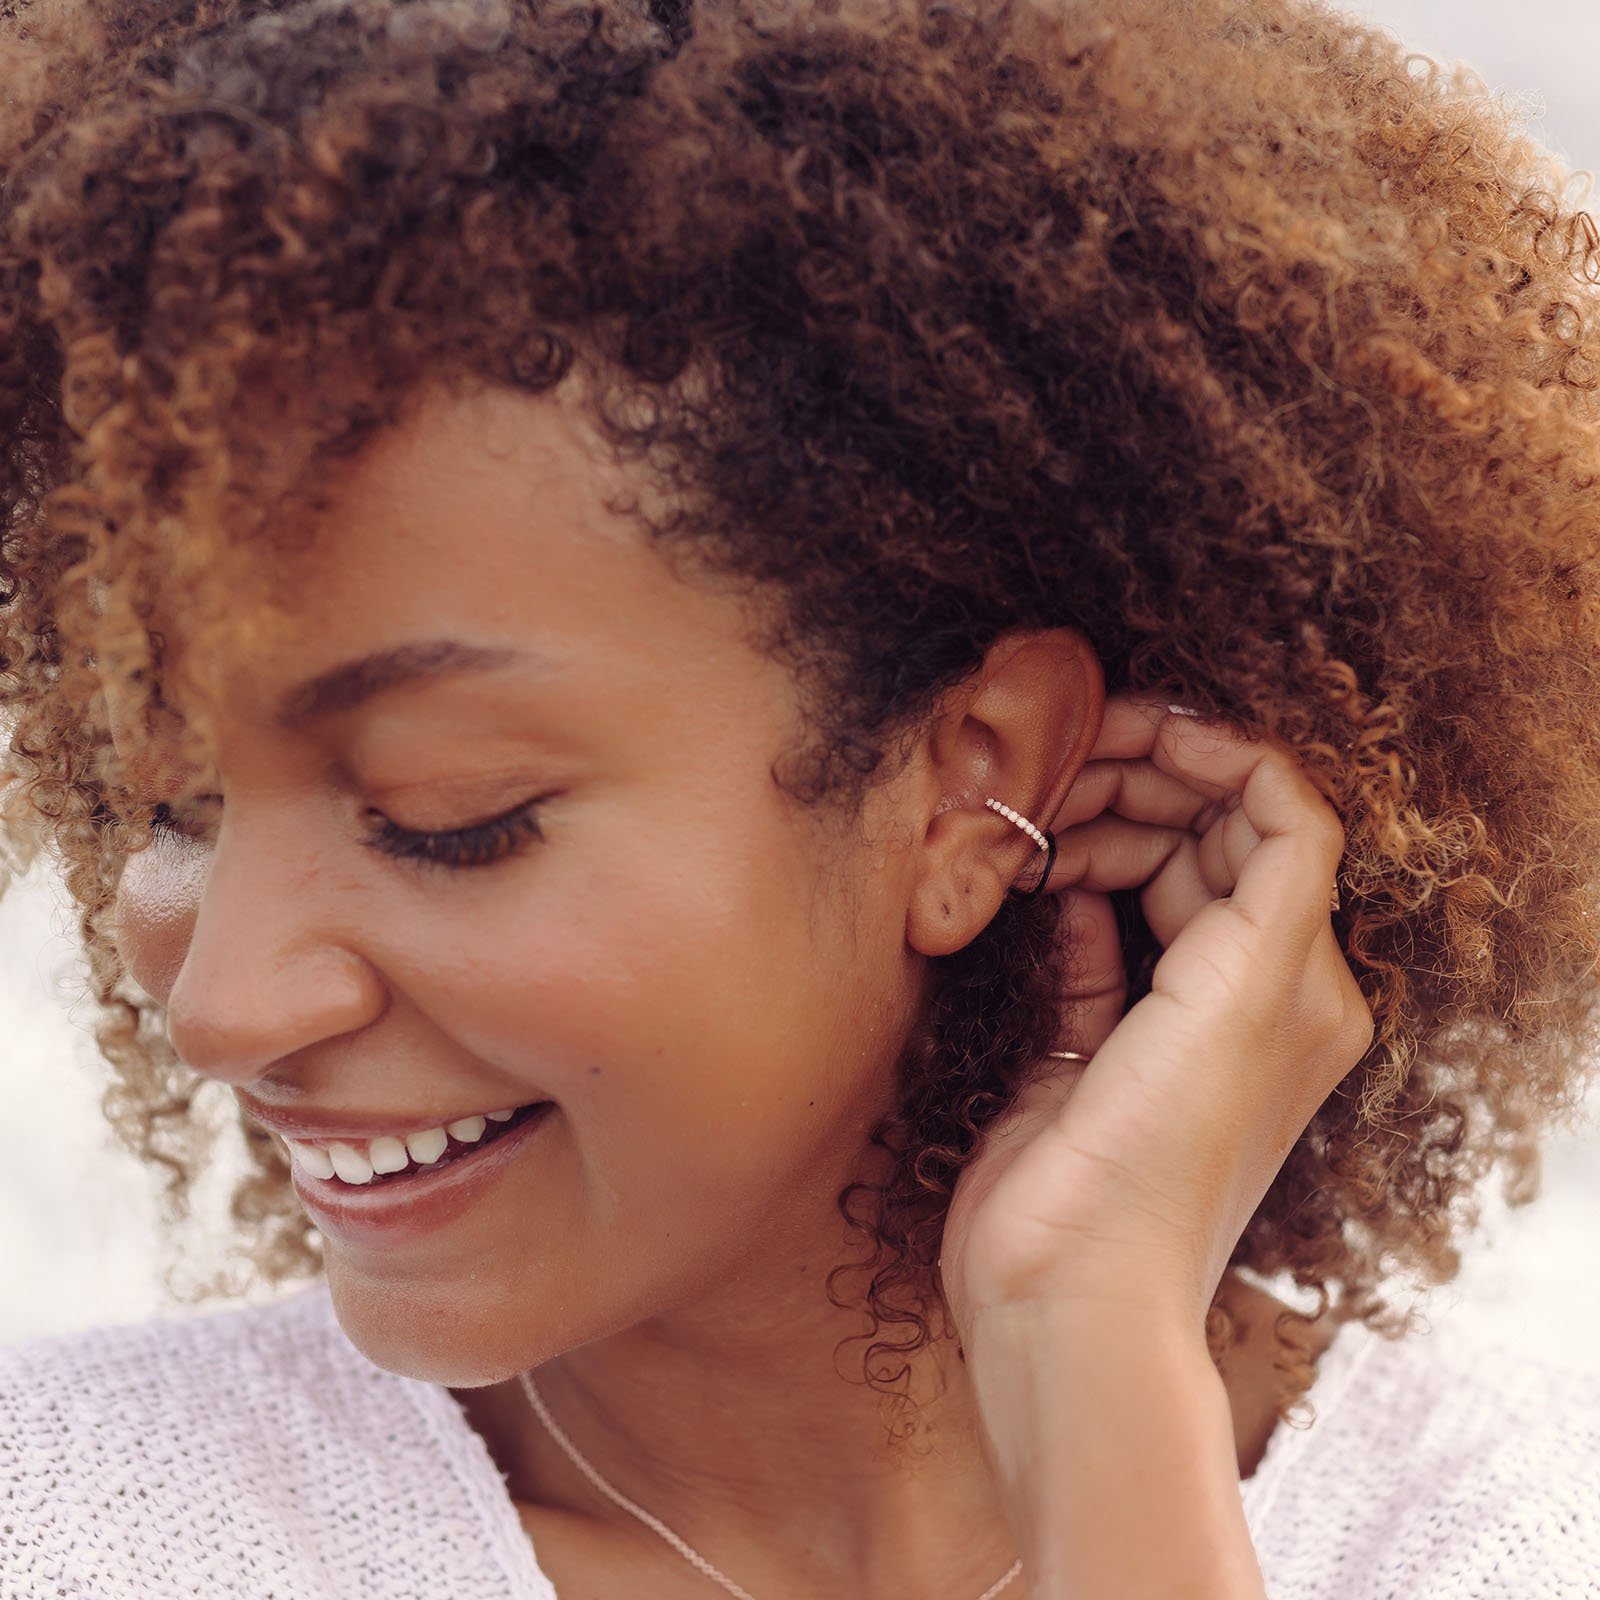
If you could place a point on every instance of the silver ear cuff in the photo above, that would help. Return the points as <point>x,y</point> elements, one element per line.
<point>1045,841</point>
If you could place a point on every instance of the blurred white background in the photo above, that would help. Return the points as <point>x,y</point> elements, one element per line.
<point>78,1219</point>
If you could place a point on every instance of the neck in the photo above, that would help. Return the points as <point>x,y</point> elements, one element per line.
<point>730,1423</point>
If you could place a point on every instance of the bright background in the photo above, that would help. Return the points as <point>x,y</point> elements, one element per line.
<point>77,1216</point>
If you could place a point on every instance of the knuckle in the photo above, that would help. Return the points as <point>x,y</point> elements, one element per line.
<point>1335,1011</point>
<point>1328,827</point>
<point>1347,1020</point>
<point>1324,815</point>
<point>1231,968</point>
<point>1361,1027</point>
<point>1329,1019</point>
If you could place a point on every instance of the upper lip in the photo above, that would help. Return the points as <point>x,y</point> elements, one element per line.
<point>317,1122</point>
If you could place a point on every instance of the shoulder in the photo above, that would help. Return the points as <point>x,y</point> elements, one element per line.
<point>224,1452</point>
<point>100,1390</point>
<point>121,1444</point>
<point>1441,1465</point>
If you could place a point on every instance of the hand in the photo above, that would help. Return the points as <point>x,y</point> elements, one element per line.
<point>1126,1183</point>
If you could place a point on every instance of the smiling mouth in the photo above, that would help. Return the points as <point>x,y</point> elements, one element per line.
<point>353,1155</point>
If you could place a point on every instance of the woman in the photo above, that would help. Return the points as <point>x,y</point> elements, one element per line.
<point>719,669</point>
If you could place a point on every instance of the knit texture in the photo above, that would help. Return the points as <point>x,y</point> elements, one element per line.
<point>255,1453</point>
<point>1442,1466</point>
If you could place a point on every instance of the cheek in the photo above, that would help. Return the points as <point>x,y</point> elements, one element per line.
<point>699,1029</point>
<point>154,912</point>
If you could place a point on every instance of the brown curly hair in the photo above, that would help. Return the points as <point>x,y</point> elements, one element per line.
<point>1225,332</point>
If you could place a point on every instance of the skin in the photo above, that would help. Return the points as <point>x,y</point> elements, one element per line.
<point>710,983</point>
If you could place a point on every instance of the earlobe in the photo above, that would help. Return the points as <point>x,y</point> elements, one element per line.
<point>951,905</point>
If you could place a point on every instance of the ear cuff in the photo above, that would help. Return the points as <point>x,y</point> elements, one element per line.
<point>1045,841</point>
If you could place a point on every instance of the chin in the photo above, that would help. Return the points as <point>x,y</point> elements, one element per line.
<point>457,1332</point>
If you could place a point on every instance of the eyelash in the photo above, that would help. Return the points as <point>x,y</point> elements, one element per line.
<point>480,845</point>
<point>483,844</point>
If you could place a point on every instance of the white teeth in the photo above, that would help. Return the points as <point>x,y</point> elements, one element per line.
<point>311,1157</point>
<point>387,1154</point>
<point>359,1161</point>
<point>350,1163</point>
<point>426,1147</point>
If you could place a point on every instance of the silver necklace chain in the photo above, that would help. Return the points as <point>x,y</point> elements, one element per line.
<point>536,1400</point>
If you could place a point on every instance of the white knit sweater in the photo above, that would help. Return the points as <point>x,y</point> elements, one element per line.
<point>255,1453</point>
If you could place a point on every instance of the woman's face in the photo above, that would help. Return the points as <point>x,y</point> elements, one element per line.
<point>709,991</point>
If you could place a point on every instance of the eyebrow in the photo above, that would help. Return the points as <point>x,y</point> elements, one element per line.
<point>348,685</point>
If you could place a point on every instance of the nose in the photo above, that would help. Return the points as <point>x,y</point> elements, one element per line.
<point>273,963</point>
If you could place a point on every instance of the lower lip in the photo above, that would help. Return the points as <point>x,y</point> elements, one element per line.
<point>393,1213</point>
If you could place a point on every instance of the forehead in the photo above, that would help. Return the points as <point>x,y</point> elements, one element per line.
<point>483,517</point>
<point>488,507</point>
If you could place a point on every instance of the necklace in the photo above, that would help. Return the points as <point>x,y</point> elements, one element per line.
<point>536,1400</point>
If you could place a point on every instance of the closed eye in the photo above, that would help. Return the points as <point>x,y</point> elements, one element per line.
<point>481,844</point>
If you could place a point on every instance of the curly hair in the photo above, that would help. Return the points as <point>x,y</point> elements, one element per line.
<point>1227,333</point>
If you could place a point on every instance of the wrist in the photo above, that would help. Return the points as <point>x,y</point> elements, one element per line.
<point>1150,1277</point>
<point>1112,1446</point>
<point>1066,1366</point>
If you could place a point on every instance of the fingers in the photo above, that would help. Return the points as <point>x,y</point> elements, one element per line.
<point>1134,788</point>
<point>1182,872</point>
<point>1282,882</point>
<point>1208,814</point>
<point>1130,726</point>
<point>1256,1003</point>
<point>1095,992</point>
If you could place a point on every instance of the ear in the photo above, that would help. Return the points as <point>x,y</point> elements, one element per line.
<point>1020,729</point>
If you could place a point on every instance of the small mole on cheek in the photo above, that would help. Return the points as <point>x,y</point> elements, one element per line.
<point>594,1072</point>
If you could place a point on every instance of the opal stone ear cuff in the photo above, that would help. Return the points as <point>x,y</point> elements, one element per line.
<point>1045,841</point>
